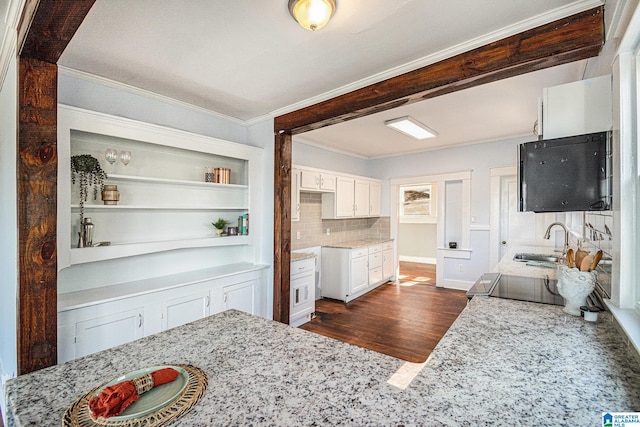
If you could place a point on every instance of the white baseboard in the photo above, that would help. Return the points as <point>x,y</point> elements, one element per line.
<point>461,285</point>
<point>422,260</point>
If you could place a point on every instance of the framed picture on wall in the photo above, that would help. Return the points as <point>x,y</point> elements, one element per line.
<point>417,203</point>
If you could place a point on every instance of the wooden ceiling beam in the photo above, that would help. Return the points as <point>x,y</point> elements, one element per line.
<point>45,29</point>
<point>570,39</point>
<point>47,26</point>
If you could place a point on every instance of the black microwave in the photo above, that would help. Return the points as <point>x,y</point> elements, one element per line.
<point>566,174</point>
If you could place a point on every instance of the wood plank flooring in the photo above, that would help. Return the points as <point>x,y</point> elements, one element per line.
<point>404,320</point>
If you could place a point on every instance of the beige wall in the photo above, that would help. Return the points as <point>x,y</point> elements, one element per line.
<point>417,240</point>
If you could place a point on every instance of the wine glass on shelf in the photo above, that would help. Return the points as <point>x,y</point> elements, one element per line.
<point>125,157</point>
<point>111,154</point>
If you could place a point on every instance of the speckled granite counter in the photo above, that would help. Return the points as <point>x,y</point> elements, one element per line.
<point>351,244</point>
<point>297,256</point>
<point>508,266</point>
<point>502,362</point>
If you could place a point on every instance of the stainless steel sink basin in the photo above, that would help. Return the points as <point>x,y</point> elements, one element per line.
<point>523,257</point>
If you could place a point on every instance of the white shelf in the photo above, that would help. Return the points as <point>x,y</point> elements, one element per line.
<point>161,208</point>
<point>121,250</point>
<point>165,204</point>
<point>116,177</point>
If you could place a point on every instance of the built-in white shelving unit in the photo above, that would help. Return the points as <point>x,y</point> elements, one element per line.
<point>165,203</point>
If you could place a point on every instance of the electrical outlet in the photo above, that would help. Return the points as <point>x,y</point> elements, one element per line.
<point>328,231</point>
<point>298,235</point>
<point>460,268</point>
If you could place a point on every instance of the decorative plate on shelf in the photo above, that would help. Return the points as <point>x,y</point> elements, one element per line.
<point>159,406</point>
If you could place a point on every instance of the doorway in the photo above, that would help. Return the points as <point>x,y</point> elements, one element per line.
<point>508,226</point>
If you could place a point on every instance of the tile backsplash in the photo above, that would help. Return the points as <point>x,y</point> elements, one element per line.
<point>313,229</point>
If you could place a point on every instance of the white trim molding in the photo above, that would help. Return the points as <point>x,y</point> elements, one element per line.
<point>465,233</point>
<point>494,211</point>
<point>9,35</point>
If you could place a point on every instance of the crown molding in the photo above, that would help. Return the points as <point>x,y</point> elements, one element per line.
<point>103,81</point>
<point>559,13</point>
<point>513,29</point>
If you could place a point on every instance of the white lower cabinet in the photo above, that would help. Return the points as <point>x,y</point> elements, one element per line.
<point>95,320</point>
<point>240,296</point>
<point>177,312</point>
<point>302,300</point>
<point>388,260</point>
<point>103,332</point>
<point>348,273</point>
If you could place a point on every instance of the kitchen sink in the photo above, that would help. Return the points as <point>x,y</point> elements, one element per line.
<point>523,257</point>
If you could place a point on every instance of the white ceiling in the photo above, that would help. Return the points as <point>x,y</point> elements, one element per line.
<point>249,60</point>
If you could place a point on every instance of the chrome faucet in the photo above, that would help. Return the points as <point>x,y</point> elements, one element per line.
<point>547,235</point>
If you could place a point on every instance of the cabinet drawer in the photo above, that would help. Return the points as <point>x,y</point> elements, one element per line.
<point>375,260</point>
<point>387,245</point>
<point>357,253</point>
<point>303,266</point>
<point>375,276</point>
<point>375,248</point>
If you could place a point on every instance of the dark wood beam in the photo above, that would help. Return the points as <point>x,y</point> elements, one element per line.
<point>37,170</point>
<point>45,29</point>
<point>577,37</point>
<point>282,227</point>
<point>574,38</point>
<point>51,28</point>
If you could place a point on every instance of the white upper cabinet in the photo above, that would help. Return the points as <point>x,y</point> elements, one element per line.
<point>361,198</point>
<point>577,108</point>
<point>344,199</point>
<point>165,201</point>
<point>374,198</point>
<point>311,180</point>
<point>343,196</point>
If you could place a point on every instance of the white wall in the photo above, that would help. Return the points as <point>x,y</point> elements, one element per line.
<point>477,157</point>
<point>8,227</point>
<point>314,157</point>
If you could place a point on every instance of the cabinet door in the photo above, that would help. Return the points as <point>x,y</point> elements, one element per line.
<point>183,310</point>
<point>344,197</point>
<point>104,332</point>
<point>387,264</point>
<point>374,198</point>
<point>302,295</point>
<point>361,198</point>
<point>295,195</point>
<point>241,296</point>
<point>327,182</point>
<point>359,275</point>
<point>309,180</point>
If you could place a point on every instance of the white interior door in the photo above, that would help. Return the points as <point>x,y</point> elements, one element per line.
<point>519,228</point>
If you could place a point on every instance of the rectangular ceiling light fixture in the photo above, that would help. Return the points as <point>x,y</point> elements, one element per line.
<point>412,127</point>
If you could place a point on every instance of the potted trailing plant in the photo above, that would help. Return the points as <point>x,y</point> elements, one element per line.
<point>86,169</point>
<point>220,224</point>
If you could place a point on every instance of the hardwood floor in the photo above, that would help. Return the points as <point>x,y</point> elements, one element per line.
<point>404,320</point>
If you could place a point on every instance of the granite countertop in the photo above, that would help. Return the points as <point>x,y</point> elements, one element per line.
<point>352,244</point>
<point>501,362</point>
<point>297,256</point>
<point>508,266</point>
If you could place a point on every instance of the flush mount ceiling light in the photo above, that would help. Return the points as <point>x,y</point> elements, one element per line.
<point>312,14</point>
<point>412,127</point>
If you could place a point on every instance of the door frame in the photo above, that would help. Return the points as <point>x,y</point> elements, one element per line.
<point>496,174</point>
